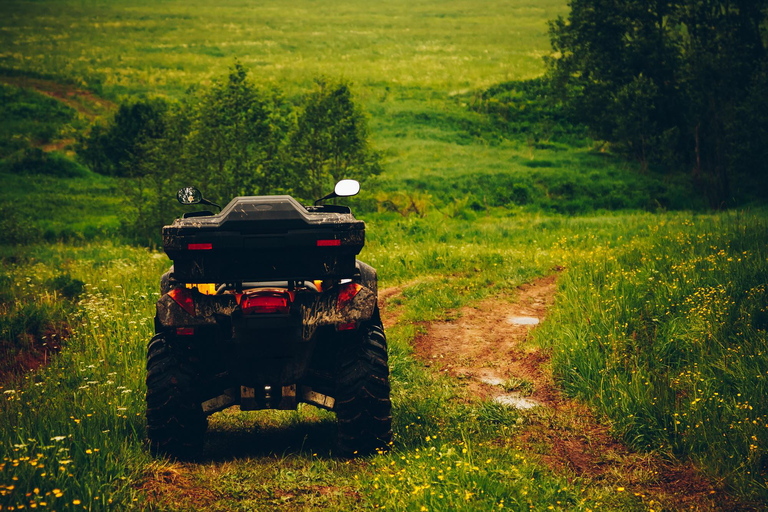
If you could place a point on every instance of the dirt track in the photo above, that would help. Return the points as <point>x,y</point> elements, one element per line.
<point>85,102</point>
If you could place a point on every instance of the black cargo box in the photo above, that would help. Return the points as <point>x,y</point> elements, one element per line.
<point>264,238</point>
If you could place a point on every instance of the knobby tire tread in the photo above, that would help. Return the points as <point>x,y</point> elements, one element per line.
<point>176,423</point>
<point>363,407</point>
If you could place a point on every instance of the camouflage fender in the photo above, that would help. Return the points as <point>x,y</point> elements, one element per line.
<point>368,277</point>
<point>323,310</point>
<point>167,282</point>
<point>207,309</point>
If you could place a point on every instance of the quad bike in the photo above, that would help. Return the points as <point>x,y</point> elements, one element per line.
<point>266,307</point>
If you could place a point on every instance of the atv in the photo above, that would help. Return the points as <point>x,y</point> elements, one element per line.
<point>265,307</point>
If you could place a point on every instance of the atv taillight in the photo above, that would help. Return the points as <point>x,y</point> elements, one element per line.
<point>329,243</point>
<point>200,247</point>
<point>347,292</point>
<point>267,302</point>
<point>183,297</point>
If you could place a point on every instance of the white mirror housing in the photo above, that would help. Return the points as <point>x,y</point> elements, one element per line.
<point>347,188</point>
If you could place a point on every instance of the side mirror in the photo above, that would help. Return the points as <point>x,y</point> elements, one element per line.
<point>347,188</point>
<point>344,188</point>
<point>189,195</point>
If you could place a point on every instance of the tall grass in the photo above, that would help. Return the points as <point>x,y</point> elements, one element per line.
<point>666,334</point>
<point>72,432</point>
<point>87,206</point>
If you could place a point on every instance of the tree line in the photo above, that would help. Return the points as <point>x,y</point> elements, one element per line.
<point>232,138</point>
<point>681,83</point>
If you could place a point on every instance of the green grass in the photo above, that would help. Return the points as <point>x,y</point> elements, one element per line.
<point>453,262</point>
<point>86,206</point>
<point>77,425</point>
<point>417,68</point>
<point>33,316</point>
<point>421,71</point>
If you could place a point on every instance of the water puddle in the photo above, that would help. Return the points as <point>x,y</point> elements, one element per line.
<point>523,320</point>
<point>516,401</point>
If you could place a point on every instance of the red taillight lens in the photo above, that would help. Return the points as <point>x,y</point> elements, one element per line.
<point>346,327</point>
<point>329,243</point>
<point>199,247</point>
<point>267,302</point>
<point>347,293</point>
<point>185,331</point>
<point>183,297</point>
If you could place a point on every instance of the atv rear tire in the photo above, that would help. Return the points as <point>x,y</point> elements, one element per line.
<point>176,423</point>
<point>363,408</point>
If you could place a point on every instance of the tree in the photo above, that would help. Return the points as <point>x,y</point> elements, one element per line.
<point>330,140</point>
<point>667,77</point>
<point>161,171</point>
<point>235,137</point>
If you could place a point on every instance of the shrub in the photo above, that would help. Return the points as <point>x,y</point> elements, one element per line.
<point>115,149</point>
<point>35,161</point>
<point>67,286</point>
<point>15,228</point>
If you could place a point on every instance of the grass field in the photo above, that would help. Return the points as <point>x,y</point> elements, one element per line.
<point>659,322</point>
<point>409,49</point>
<point>86,446</point>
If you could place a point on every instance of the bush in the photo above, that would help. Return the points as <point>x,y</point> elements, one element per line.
<point>67,286</point>
<point>35,161</point>
<point>116,149</point>
<point>15,228</point>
